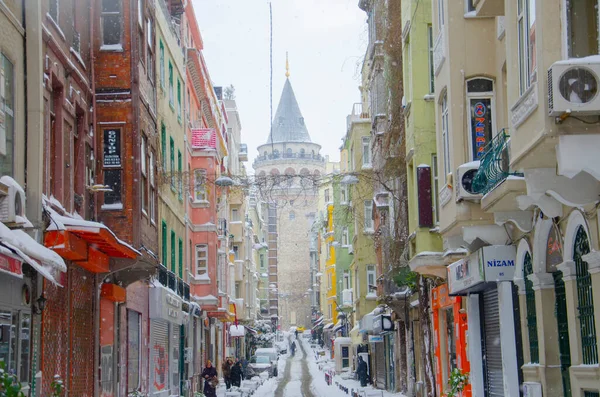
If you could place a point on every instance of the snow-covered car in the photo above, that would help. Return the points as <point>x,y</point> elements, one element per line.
<point>260,364</point>
<point>270,352</point>
<point>281,347</point>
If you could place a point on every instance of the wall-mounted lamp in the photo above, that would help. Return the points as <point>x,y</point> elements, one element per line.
<point>41,304</point>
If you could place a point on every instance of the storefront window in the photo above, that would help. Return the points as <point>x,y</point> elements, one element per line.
<point>14,342</point>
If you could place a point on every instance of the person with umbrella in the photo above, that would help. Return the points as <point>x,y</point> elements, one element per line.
<point>209,374</point>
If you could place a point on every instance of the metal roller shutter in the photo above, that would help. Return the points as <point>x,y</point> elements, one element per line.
<point>159,357</point>
<point>493,351</point>
<point>381,370</point>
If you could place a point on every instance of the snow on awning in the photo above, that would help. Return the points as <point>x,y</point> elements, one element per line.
<point>328,326</point>
<point>45,261</point>
<point>237,331</point>
<point>319,321</point>
<point>252,330</point>
<point>338,326</point>
<point>40,268</point>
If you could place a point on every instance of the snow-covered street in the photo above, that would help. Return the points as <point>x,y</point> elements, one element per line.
<point>300,376</point>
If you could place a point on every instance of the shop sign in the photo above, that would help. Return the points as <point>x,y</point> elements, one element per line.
<point>112,148</point>
<point>481,125</point>
<point>11,265</point>
<point>375,338</point>
<point>165,305</point>
<point>366,323</point>
<point>493,263</point>
<point>382,323</point>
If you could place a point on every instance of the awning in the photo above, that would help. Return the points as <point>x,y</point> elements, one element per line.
<point>44,270</point>
<point>328,326</point>
<point>338,326</point>
<point>319,321</point>
<point>252,330</point>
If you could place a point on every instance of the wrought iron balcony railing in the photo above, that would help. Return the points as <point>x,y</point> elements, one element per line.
<point>163,276</point>
<point>494,167</point>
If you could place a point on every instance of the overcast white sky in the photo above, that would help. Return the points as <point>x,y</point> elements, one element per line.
<point>326,40</point>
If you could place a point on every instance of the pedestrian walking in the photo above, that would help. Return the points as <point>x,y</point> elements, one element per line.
<point>244,362</point>
<point>293,348</point>
<point>236,374</point>
<point>361,371</point>
<point>211,380</point>
<point>226,369</point>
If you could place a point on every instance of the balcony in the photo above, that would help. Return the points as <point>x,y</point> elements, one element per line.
<point>163,277</point>
<point>489,8</point>
<point>171,281</point>
<point>299,155</point>
<point>499,185</point>
<point>358,114</point>
<point>243,153</point>
<point>239,270</point>
<point>347,298</point>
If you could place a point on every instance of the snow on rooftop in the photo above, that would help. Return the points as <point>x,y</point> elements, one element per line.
<point>430,253</point>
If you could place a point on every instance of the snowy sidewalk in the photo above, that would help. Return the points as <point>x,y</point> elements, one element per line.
<point>340,386</point>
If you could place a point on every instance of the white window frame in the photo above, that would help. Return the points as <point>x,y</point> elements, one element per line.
<point>346,283</point>
<point>345,237</point>
<point>344,194</point>
<point>356,283</point>
<point>143,171</point>
<point>54,17</point>
<point>152,198</point>
<point>469,7</point>
<point>431,45</point>
<point>368,216</point>
<point>435,181</point>
<point>161,56</point>
<point>440,14</point>
<point>566,40</point>
<point>371,274</point>
<point>329,280</point>
<point>104,14</point>
<point>326,196</point>
<point>235,215</point>
<point>201,261</point>
<point>366,148</point>
<point>526,52</point>
<point>200,194</point>
<point>445,118</point>
<point>9,112</point>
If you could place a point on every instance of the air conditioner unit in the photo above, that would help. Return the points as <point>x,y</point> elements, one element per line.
<point>12,205</point>
<point>347,299</point>
<point>573,87</point>
<point>465,174</point>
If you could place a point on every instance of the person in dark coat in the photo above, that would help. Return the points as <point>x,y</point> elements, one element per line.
<point>293,348</point>
<point>226,368</point>
<point>236,374</point>
<point>361,371</point>
<point>244,366</point>
<point>209,374</point>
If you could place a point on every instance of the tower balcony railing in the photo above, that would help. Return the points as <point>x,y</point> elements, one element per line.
<point>494,166</point>
<point>293,155</point>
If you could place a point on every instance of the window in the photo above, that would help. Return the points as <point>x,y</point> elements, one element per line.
<point>236,252</point>
<point>345,237</point>
<point>164,243</point>
<point>431,71</point>
<point>440,12</point>
<point>445,136</point>
<point>202,260</point>
<point>180,246</point>
<point>141,13</point>
<point>346,279</point>
<point>111,23</point>
<point>180,174</point>
<point>262,261</point>
<point>235,215</point>
<point>14,343</point>
<point>356,283</point>
<point>366,151</point>
<point>480,95</point>
<point>152,206</point>
<point>172,162</point>
<point>200,185</point>
<point>371,280</point>
<point>179,100</point>
<point>7,110</point>
<point>112,179</point>
<point>173,252</point>
<point>330,311</point>
<point>53,10</point>
<point>368,205</point>
<point>526,37</point>
<point>582,28</point>
<point>163,145</point>
<point>171,93</point>
<point>329,280</point>
<point>161,65</point>
<point>469,7</point>
<point>144,184</point>
<point>327,196</point>
<point>150,50</point>
<point>344,194</point>
<point>436,187</point>
<point>133,350</point>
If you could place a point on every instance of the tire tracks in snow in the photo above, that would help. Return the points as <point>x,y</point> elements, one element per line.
<point>291,386</point>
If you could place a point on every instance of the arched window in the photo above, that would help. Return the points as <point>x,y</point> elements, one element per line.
<point>302,152</point>
<point>587,323</point>
<point>266,153</point>
<point>288,152</point>
<point>480,102</point>
<point>534,351</point>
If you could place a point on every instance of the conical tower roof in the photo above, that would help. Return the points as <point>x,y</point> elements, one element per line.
<point>288,124</point>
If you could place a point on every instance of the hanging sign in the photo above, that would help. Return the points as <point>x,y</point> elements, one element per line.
<point>375,338</point>
<point>481,125</point>
<point>112,148</point>
<point>11,265</point>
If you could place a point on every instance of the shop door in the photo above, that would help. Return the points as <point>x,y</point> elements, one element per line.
<point>175,358</point>
<point>159,357</point>
<point>560,307</point>
<point>493,352</point>
<point>380,368</point>
<point>81,379</point>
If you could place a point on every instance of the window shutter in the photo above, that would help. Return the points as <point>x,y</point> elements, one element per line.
<point>424,196</point>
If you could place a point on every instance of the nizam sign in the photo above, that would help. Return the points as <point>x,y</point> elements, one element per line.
<point>489,264</point>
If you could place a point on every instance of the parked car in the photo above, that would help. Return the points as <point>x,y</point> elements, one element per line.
<point>260,364</point>
<point>270,352</point>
